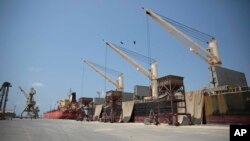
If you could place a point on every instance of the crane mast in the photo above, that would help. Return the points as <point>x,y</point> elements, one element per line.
<point>118,83</point>
<point>151,74</point>
<point>212,54</point>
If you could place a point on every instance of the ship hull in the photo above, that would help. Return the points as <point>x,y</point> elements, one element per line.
<point>228,108</point>
<point>58,114</point>
<point>146,110</point>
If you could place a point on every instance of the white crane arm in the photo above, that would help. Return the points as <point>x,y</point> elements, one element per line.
<point>191,48</point>
<point>183,38</point>
<point>116,84</point>
<point>129,59</point>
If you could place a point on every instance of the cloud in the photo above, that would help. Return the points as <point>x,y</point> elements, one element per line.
<point>34,69</point>
<point>37,84</point>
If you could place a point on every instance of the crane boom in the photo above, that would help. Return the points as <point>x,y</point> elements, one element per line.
<point>152,74</point>
<point>24,93</point>
<point>129,59</point>
<point>212,58</point>
<point>118,83</point>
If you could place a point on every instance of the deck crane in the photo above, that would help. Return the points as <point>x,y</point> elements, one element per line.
<point>151,74</point>
<point>210,55</point>
<point>118,83</point>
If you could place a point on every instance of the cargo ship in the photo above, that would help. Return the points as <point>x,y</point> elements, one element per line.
<point>230,106</point>
<point>174,106</point>
<point>226,101</point>
<point>66,109</point>
<point>142,108</point>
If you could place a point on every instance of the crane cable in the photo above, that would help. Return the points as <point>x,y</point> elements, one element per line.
<point>189,30</point>
<point>105,81</point>
<point>106,69</point>
<point>148,40</point>
<point>82,83</point>
<point>145,59</point>
<point>148,43</point>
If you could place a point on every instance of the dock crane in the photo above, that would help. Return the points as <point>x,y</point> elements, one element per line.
<point>118,83</point>
<point>210,55</point>
<point>4,98</point>
<point>30,103</point>
<point>151,74</point>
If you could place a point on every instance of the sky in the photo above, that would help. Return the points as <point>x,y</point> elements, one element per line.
<point>42,44</point>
